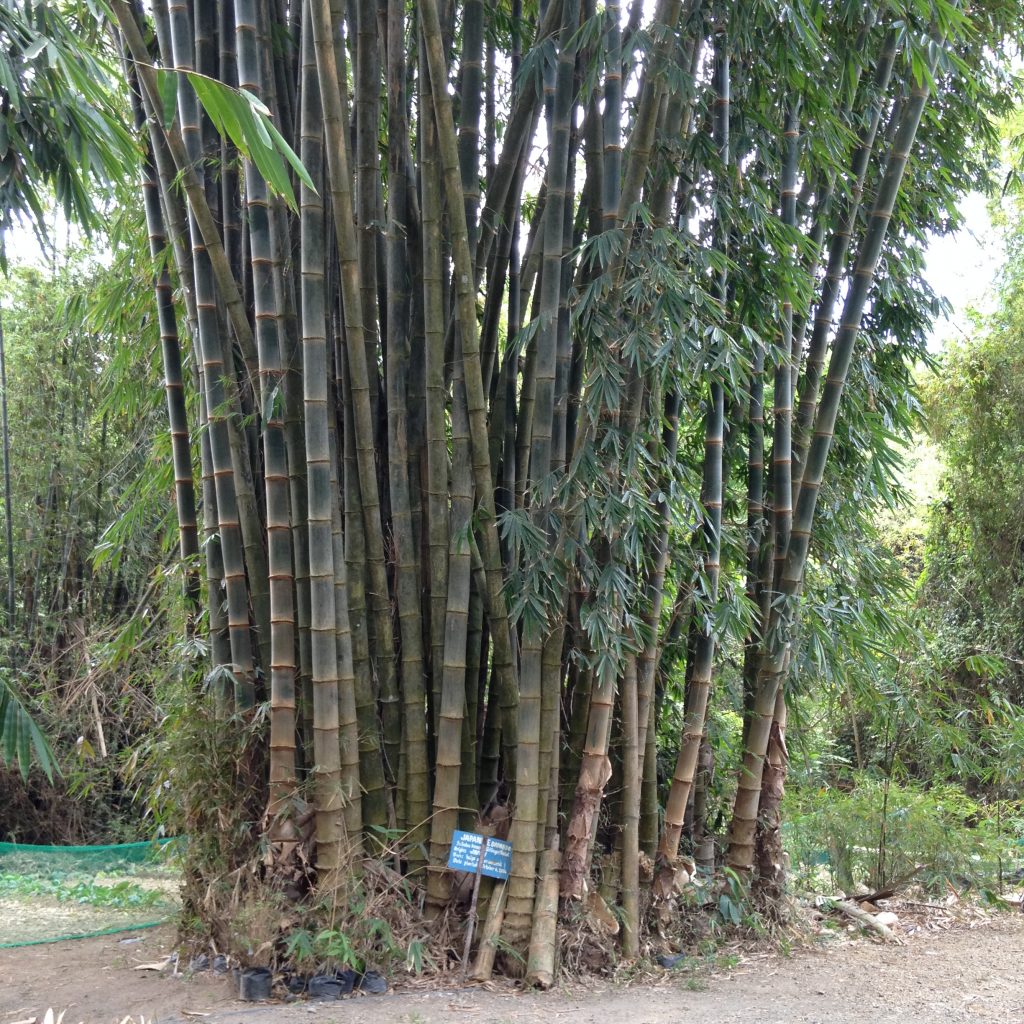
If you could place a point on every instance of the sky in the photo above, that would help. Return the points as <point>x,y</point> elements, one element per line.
<point>963,268</point>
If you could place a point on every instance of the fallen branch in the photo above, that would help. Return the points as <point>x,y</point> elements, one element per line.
<point>867,920</point>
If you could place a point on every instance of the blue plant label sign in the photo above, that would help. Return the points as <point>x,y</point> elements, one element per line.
<point>465,855</point>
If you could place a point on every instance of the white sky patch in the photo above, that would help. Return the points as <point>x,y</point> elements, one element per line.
<point>963,268</point>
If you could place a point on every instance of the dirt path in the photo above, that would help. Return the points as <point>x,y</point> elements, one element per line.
<point>967,974</point>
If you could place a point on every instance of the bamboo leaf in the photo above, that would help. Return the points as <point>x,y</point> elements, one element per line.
<point>167,84</point>
<point>241,117</point>
<point>22,738</point>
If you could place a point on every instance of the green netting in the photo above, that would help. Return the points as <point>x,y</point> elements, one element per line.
<point>49,893</point>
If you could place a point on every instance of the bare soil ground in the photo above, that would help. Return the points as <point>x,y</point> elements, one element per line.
<point>974,971</point>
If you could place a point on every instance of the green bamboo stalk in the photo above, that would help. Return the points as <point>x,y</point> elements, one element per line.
<point>630,814</point>
<point>531,770</point>
<point>437,443</point>
<point>185,162</point>
<point>595,766</point>
<point>647,661</point>
<point>330,795</point>
<point>742,827</point>
<point>497,612</point>
<point>276,477</point>
<point>174,384</point>
<point>838,248</point>
<point>374,750</point>
<point>477,664</point>
<point>650,819</point>
<point>700,682</point>
<point>490,748</point>
<point>447,767</point>
<point>362,772</point>
<point>367,164</point>
<point>471,94</point>
<point>782,427</point>
<point>210,257</point>
<point>235,581</point>
<point>357,377</point>
<point>407,575</point>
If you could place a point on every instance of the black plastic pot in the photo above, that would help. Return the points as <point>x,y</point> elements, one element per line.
<point>255,983</point>
<point>325,986</point>
<point>372,983</point>
<point>296,984</point>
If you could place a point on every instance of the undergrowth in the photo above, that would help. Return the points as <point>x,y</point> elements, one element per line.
<point>882,834</point>
<point>123,895</point>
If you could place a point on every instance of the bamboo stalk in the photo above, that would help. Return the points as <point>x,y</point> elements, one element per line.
<point>174,387</point>
<point>453,689</point>
<point>497,611</point>
<point>531,770</point>
<point>235,579</point>
<point>277,480</point>
<point>358,377</point>
<point>630,814</point>
<point>407,574</point>
<point>838,248</point>
<point>700,680</point>
<point>742,827</point>
<point>330,795</point>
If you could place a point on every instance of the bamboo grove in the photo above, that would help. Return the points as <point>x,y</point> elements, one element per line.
<point>524,438</point>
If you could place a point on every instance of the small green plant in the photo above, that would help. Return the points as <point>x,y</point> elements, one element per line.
<point>123,895</point>
<point>336,946</point>
<point>732,900</point>
<point>299,947</point>
<point>416,956</point>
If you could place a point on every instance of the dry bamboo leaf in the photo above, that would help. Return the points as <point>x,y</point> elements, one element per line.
<point>25,1020</point>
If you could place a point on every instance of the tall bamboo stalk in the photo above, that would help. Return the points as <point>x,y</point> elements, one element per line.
<point>174,384</point>
<point>327,771</point>
<point>276,477</point>
<point>742,827</point>
<point>711,499</point>
<point>397,352</point>
<point>497,611</point>
<point>448,759</point>
<point>209,338</point>
<point>437,445</point>
<point>838,249</point>
<point>358,376</point>
<point>530,771</point>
